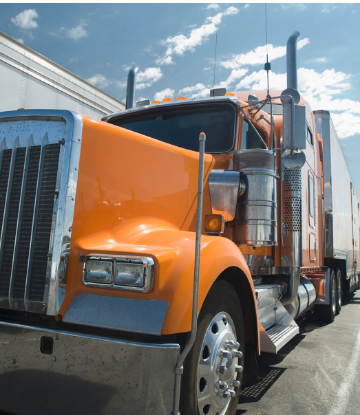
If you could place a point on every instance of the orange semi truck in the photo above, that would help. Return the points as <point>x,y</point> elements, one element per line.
<point>146,258</point>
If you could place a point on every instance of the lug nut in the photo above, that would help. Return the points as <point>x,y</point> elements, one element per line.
<point>224,353</point>
<point>231,344</point>
<point>226,393</point>
<point>222,385</point>
<point>232,393</point>
<point>236,383</point>
<point>238,368</point>
<point>238,354</point>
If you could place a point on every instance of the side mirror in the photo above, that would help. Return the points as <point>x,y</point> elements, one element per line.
<point>294,130</point>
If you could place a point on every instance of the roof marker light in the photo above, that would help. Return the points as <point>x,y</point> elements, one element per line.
<point>180,98</point>
<point>168,99</point>
<point>155,102</point>
<point>230,94</point>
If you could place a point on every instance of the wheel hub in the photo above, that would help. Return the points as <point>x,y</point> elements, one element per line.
<point>218,366</point>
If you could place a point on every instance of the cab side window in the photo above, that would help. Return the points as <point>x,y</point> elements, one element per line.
<point>249,138</point>
<point>309,136</point>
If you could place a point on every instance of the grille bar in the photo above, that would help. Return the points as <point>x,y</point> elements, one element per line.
<point>26,226</point>
<point>45,208</point>
<point>5,278</point>
<point>18,225</point>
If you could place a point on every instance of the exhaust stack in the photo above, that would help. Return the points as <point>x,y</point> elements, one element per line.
<point>293,184</point>
<point>130,90</point>
<point>291,67</point>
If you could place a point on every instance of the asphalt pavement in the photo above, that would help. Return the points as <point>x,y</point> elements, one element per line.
<point>317,372</point>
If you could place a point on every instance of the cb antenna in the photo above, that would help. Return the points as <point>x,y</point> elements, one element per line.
<point>215,57</point>
<point>267,66</point>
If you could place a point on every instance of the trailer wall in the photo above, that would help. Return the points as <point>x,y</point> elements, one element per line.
<point>341,207</point>
<point>29,80</point>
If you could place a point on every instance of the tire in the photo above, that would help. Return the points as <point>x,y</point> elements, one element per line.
<point>327,312</point>
<point>220,320</point>
<point>338,290</point>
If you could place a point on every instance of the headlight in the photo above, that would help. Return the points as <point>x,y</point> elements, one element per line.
<point>98,271</point>
<point>120,272</point>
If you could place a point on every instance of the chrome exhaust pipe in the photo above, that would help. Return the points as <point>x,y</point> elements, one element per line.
<point>130,90</point>
<point>291,66</point>
<point>295,183</point>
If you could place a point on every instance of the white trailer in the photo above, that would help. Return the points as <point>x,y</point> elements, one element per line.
<point>340,205</point>
<point>29,80</point>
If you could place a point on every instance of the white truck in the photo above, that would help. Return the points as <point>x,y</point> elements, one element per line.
<point>29,80</point>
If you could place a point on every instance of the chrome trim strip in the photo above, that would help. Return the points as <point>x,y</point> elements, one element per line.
<point>118,313</point>
<point>44,143</point>
<point>19,305</point>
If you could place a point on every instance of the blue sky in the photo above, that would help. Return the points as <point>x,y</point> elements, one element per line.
<point>173,45</point>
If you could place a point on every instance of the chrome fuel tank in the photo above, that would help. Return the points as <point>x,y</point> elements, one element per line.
<point>257,208</point>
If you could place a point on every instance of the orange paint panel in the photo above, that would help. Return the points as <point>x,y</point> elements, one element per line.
<point>125,204</point>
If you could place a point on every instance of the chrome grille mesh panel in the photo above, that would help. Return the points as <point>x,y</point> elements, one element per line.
<point>4,176</point>
<point>9,227</point>
<point>29,224</point>
<point>21,264</point>
<point>44,219</point>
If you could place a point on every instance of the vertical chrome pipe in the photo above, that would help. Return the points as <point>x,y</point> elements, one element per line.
<point>291,66</point>
<point>179,368</point>
<point>130,90</point>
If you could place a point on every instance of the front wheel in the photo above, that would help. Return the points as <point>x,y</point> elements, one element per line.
<point>214,367</point>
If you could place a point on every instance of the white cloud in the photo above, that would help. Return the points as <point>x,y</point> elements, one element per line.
<point>190,89</point>
<point>148,77</point>
<point>26,19</point>
<point>20,40</point>
<point>99,81</point>
<point>346,124</point>
<point>258,81</point>
<point>77,32</point>
<point>318,89</point>
<point>247,6</point>
<point>258,55</point>
<point>165,93</point>
<point>179,44</point>
<point>164,60</point>
<point>321,60</point>
<point>213,6</point>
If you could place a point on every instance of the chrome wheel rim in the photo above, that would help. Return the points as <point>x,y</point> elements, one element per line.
<point>333,300</point>
<point>339,290</point>
<point>218,366</point>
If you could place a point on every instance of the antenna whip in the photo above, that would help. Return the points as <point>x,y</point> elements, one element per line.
<point>215,58</point>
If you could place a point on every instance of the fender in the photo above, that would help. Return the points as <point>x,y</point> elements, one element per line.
<point>174,254</point>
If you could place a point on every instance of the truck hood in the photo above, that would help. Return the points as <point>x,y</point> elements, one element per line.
<point>125,176</point>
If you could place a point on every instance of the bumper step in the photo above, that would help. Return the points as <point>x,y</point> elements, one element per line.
<point>273,339</point>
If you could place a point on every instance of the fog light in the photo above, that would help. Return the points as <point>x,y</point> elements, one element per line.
<point>214,224</point>
<point>98,272</point>
<point>129,274</point>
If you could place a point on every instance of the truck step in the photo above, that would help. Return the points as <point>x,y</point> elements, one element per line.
<point>273,339</point>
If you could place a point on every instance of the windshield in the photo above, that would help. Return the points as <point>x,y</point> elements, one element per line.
<point>181,125</point>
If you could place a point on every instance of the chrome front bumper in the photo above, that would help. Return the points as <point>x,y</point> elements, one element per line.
<point>83,374</point>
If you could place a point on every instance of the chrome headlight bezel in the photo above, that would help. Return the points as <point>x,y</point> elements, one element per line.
<point>148,270</point>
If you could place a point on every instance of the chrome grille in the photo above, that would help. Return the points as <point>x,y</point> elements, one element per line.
<point>28,190</point>
<point>39,161</point>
